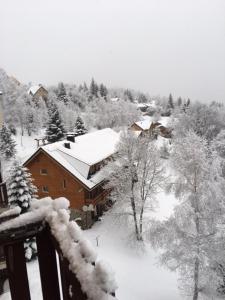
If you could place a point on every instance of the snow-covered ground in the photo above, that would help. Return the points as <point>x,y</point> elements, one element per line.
<point>138,275</point>
<point>137,272</point>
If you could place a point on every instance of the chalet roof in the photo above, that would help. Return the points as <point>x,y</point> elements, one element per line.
<point>88,150</point>
<point>33,89</point>
<point>145,123</point>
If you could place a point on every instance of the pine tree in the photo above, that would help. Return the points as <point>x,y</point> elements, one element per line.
<point>128,95</point>
<point>7,144</point>
<point>179,101</point>
<point>62,96</point>
<point>94,88</point>
<point>21,192</point>
<point>103,90</point>
<point>79,127</point>
<point>142,98</point>
<point>170,102</point>
<point>55,130</point>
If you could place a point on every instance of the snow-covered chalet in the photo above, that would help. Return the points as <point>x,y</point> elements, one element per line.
<point>148,125</point>
<point>71,168</point>
<point>38,91</point>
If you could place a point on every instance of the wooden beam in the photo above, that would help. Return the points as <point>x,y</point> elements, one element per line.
<point>47,266</point>
<point>17,271</point>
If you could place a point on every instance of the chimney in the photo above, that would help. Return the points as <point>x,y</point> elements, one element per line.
<point>70,137</point>
<point>67,145</point>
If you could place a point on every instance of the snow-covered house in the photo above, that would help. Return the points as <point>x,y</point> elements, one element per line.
<point>142,126</point>
<point>149,125</point>
<point>72,169</point>
<point>37,91</point>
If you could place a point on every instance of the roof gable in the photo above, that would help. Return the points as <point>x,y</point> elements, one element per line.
<point>70,160</point>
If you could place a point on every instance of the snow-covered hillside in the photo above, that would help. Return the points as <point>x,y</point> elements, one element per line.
<point>137,272</point>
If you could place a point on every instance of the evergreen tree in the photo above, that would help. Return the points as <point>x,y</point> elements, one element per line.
<point>142,98</point>
<point>179,101</point>
<point>55,130</point>
<point>7,144</point>
<point>94,88</point>
<point>170,102</point>
<point>85,88</point>
<point>21,192</point>
<point>79,127</point>
<point>103,90</point>
<point>62,96</point>
<point>129,95</point>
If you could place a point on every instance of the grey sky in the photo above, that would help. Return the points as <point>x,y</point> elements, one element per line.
<point>158,46</point>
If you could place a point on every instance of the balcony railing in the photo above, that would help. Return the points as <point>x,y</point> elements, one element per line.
<point>78,273</point>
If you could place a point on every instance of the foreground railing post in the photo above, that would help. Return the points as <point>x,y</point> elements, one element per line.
<point>71,287</point>
<point>17,271</point>
<point>47,266</point>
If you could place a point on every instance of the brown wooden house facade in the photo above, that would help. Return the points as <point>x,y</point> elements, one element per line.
<point>37,92</point>
<point>61,173</point>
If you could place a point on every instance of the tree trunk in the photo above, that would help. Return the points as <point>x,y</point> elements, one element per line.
<point>196,277</point>
<point>141,223</point>
<point>134,212</point>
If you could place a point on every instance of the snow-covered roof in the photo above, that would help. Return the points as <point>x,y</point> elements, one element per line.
<point>88,150</point>
<point>164,121</point>
<point>115,99</point>
<point>145,123</point>
<point>33,89</point>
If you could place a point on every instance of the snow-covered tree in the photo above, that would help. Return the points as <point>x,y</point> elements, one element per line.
<point>136,176</point>
<point>142,98</point>
<point>7,144</point>
<point>55,130</point>
<point>62,96</point>
<point>206,121</point>
<point>179,101</point>
<point>128,95</point>
<point>103,90</point>
<point>189,238</point>
<point>21,190</point>
<point>102,114</point>
<point>79,127</point>
<point>94,88</point>
<point>170,102</point>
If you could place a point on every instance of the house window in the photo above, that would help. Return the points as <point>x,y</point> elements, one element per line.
<point>64,183</point>
<point>45,189</point>
<point>43,171</point>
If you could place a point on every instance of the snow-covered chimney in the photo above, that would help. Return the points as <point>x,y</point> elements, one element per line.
<point>67,145</point>
<point>70,137</point>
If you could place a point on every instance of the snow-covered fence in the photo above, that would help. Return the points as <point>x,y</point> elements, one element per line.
<point>82,276</point>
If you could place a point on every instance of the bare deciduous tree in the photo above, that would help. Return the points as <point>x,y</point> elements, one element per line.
<point>135,177</point>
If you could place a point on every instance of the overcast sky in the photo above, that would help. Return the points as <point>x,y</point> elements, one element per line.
<point>157,46</point>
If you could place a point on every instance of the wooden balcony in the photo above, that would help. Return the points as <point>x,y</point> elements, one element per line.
<point>49,246</point>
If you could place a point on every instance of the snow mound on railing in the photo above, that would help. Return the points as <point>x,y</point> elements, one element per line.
<point>96,277</point>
